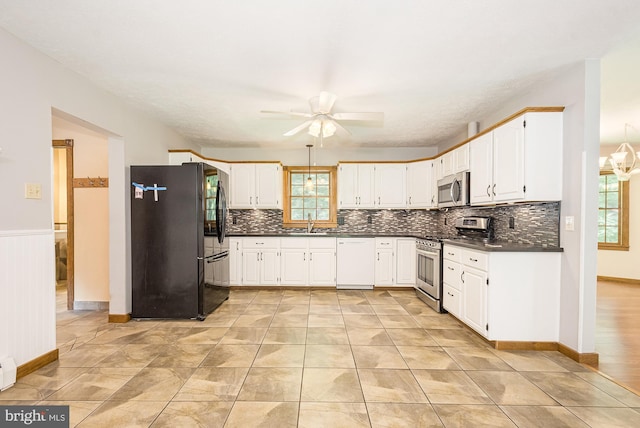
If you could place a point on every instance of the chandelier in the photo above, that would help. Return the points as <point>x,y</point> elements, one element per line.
<point>624,161</point>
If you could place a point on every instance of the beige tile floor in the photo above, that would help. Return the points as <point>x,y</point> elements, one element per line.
<point>313,358</point>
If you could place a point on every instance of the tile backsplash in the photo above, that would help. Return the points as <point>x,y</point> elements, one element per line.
<point>532,223</point>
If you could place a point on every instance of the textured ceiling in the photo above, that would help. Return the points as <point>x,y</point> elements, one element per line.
<point>207,68</point>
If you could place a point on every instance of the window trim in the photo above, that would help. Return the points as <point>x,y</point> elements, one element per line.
<point>286,198</point>
<point>623,223</point>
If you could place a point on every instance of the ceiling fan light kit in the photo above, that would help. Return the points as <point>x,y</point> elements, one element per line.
<point>321,122</point>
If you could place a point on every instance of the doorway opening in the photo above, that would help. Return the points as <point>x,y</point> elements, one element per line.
<point>63,216</point>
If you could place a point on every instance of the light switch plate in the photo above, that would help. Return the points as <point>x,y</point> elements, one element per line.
<point>33,191</point>
<point>569,223</point>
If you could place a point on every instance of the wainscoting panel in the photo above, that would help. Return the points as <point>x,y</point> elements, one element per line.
<point>27,294</point>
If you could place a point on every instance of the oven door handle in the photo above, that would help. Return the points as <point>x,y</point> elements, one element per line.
<point>427,253</point>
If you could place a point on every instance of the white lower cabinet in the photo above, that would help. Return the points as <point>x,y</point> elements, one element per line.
<point>308,261</point>
<point>235,261</point>
<point>474,299</point>
<point>504,295</point>
<point>406,261</point>
<point>322,261</point>
<point>261,261</point>
<point>384,266</point>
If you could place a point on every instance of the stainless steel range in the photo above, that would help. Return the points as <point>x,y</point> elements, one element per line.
<point>429,271</point>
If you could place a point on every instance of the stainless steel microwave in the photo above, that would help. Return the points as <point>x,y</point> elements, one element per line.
<point>453,190</point>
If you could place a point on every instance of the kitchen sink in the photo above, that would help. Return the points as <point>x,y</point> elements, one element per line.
<point>306,233</point>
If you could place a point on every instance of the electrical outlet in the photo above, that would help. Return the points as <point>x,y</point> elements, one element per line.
<point>512,224</point>
<point>33,191</point>
<point>234,220</point>
<point>369,221</point>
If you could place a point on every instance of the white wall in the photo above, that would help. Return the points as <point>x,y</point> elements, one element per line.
<point>624,264</point>
<point>31,85</point>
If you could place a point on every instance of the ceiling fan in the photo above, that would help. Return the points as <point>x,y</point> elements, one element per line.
<point>321,121</point>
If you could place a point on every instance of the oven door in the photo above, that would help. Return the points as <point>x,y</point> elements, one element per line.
<point>428,269</point>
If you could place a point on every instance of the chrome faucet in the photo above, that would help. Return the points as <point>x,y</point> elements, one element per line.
<point>309,223</point>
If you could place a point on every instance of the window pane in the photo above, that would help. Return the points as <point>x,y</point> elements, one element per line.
<point>323,202</point>
<point>612,183</point>
<point>601,234</point>
<point>612,199</point>
<point>602,214</point>
<point>297,214</point>
<point>309,203</point>
<point>602,199</point>
<point>297,179</point>
<point>296,202</point>
<point>310,191</point>
<point>323,179</point>
<point>323,214</point>
<point>322,190</point>
<point>612,234</point>
<point>297,190</point>
<point>612,218</point>
<point>312,212</point>
<point>211,215</point>
<point>603,183</point>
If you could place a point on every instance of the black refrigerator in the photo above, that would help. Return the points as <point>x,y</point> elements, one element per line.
<point>172,207</point>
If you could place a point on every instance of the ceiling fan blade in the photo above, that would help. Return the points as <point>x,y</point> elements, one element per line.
<point>326,101</point>
<point>298,128</point>
<point>340,127</point>
<point>373,116</point>
<point>285,114</point>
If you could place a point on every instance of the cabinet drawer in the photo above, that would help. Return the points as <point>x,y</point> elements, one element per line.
<point>452,253</point>
<point>261,243</point>
<point>322,243</point>
<point>382,243</point>
<point>451,273</point>
<point>451,300</point>
<point>299,243</point>
<point>476,259</point>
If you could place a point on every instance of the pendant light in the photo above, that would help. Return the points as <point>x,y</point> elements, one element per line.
<point>309,181</point>
<point>622,167</point>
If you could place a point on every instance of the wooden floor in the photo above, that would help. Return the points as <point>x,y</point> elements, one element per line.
<point>618,332</point>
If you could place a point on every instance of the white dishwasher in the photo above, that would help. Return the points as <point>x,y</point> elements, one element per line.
<point>355,264</point>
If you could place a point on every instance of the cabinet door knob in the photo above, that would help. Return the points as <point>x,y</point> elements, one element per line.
<point>494,190</point>
<point>488,187</point>
<point>462,276</point>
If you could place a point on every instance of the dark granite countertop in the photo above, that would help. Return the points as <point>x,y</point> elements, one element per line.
<point>323,234</point>
<point>475,244</point>
<point>503,246</point>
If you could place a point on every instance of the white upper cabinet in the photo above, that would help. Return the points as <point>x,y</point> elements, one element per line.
<point>419,184</point>
<point>481,165</point>
<point>372,185</point>
<point>390,185</point>
<point>461,159</point>
<point>454,161</point>
<point>355,185</point>
<point>255,186</point>
<point>447,162</point>
<point>520,160</point>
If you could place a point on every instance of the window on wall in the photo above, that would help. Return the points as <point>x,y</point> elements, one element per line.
<point>310,193</point>
<point>613,213</point>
